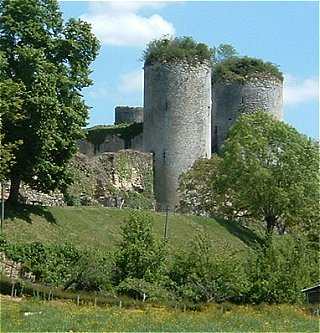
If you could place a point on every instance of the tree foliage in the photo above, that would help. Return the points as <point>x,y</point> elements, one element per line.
<point>268,172</point>
<point>46,65</point>
<point>223,52</point>
<point>140,256</point>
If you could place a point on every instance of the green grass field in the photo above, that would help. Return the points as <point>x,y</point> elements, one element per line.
<point>21,315</point>
<point>100,227</point>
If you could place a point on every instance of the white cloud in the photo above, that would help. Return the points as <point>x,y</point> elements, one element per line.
<point>131,82</point>
<point>300,91</point>
<point>121,24</point>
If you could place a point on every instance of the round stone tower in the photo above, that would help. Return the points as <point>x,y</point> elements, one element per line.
<point>258,92</point>
<point>126,114</point>
<point>177,121</point>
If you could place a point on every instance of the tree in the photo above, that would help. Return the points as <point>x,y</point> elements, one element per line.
<point>269,172</point>
<point>140,256</point>
<point>223,52</point>
<point>48,62</point>
<point>10,108</point>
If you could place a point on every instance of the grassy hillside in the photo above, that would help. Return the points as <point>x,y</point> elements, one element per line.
<point>100,227</point>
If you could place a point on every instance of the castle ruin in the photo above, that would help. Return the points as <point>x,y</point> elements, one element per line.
<point>186,116</point>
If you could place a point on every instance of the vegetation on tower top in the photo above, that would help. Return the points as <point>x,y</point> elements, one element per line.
<point>242,69</point>
<point>186,49</point>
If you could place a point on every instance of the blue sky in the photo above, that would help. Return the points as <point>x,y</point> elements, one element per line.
<point>285,33</point>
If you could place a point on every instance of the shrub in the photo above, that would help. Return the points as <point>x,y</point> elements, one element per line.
<point>92,273</point>
<point>139,255</point>
<point>241,69</point>
<point>52,264</point>
<point>278,271</point>
<point>143,290</point>
<point>176,49</point>
<point>200,275</point>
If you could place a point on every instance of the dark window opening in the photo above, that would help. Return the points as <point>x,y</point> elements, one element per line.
<point>127,144</point>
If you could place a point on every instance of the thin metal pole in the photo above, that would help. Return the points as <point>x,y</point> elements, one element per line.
<point>166,224</point>
<point>2,205</point>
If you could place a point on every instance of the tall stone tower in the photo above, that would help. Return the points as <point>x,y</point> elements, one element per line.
<point>177,122</point>
<point>256,91</point>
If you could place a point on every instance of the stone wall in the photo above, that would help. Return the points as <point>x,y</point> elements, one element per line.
<point>177,122</point>
<point>121,179</point>
<point>127,114</point>
<point>13,269</point>
<point>230,99</point>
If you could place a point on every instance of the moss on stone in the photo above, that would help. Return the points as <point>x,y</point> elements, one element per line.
<point>97,135</point>
<point>242,69</point>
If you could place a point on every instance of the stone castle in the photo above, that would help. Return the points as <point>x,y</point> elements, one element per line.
<point>186,116</point>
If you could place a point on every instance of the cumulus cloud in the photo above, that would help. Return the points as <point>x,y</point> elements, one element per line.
<point>122,24</point>
<point>300,91</point>
<point>131,82</point>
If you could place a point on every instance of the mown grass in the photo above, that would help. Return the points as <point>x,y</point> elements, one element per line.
<point>100,227</point>
<point>26,315</point>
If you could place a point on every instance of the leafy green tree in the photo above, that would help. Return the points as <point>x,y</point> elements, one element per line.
<point>223,52</point>
<point>10,108</point>
<point>268,172</point>
<point>47,61</point>
<point>140,256</point>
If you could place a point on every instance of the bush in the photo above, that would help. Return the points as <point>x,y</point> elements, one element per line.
<point>92,273</point>
<point>277,272</point>
<point>143,290</point>
<point>200,275</point>
<point>139,255</point>
<point>51,264</point>
<point>241,69</point>
<point>176,49</point>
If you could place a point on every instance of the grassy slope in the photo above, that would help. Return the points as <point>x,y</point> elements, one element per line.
<point>100,227</point>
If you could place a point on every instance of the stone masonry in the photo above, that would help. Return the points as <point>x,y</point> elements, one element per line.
<point>177,119</point>
<point>229,100</point>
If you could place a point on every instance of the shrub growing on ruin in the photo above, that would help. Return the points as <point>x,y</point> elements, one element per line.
<point>167,49</point>
<point>242,69</point>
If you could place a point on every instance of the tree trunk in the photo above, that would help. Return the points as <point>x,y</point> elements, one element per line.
<point>14,190</point>
<point>271,222</point>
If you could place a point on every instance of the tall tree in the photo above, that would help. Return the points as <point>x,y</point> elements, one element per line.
<point>268,172</point>
<point>10,108</point>
<point>49,60</point>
